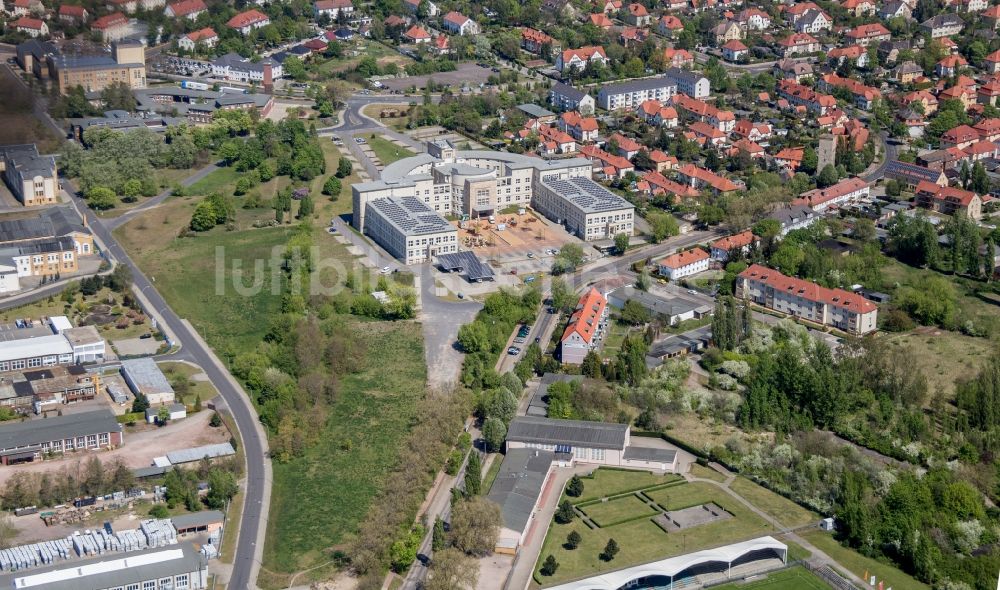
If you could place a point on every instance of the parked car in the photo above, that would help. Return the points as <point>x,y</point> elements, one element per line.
<point>513,351</point>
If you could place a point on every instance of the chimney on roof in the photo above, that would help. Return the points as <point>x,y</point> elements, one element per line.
<point>268,79</point>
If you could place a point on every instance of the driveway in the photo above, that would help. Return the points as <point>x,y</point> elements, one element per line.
<point>441,320</point>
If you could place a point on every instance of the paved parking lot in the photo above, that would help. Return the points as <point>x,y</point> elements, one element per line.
<point>10,331</point>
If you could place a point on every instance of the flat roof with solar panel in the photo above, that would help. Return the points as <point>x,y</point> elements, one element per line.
<point>475,269</point>
<point>587,195</point>
<point>410,216</point>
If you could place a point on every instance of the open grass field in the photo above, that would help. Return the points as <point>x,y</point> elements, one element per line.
<point>944,357</point>
<point>796,578</point>
<point>177,373</point>
<point>317,500</point>
<point>858,564</point>
<point>642,540</point>
<point>609,482</point>
<point>387,151</point>
<point>775,505</point>
<point>617,510</point>
<point>222,180</point>
<point>185,273</point>
<point>706,473</point>
<point>17,120</point>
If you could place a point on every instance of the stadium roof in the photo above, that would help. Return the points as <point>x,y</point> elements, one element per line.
<point>675,565</point>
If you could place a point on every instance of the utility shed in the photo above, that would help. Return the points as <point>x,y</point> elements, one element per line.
<point>144,376</point>
<point>517,488</point>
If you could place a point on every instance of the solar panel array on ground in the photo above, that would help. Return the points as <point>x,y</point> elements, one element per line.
<point>467,261</point>
<point>410,215</point>
<point>587,194</point>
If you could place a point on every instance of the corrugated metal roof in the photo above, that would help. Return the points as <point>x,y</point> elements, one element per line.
<point>574,433</point>
<point>518,485</point>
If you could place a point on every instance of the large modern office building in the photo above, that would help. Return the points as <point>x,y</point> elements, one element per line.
<point>409,230</point>
<point>480,183</point>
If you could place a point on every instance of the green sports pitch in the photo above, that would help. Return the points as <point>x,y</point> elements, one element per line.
<point>795,578</point>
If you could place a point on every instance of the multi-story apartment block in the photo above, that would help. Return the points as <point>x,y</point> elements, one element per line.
<point>31,177</point>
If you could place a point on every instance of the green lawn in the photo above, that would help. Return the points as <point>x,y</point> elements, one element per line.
<point>609,482</point>
<point>944,357</point>
<point>177,373</point>
<point>222,180</point>
<point>617,510</point>
<point>642,540</point>
<point>387,151</point>
<point>775,505</point>
<point>796,578</point>
<point>706,473</point>
<point>858,564</point>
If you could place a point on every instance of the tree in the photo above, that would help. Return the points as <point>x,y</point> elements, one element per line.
<point>159,511</point>
<point>203,218</point>
<point>215,421</point>
<point>575,487</point>
<point>332,188</point>
<point>573,540</point>
<point>980,181</point>
<point>565,514</point>
<point>550,566</point>
<point>592,365</point>
<point>306,207</point>
<point>634,313</point>
<point>827,176</point>
<point>439,538</point>
<point>162,415</point>
<point>864,230</point>
<point>662,225</point>
<point>101,198</point>
<point>222,487</point>
<point>494,434</point>
<point>344,167</point>
<point>140,404</point>
<point>621,243</point>
<point>475,525</point>
<point>452,570</point>
<point>403,551</point>
<point>473,475</point>
<point>610,550</point>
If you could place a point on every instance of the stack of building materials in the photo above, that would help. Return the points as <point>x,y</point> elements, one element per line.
<point>159,532</point>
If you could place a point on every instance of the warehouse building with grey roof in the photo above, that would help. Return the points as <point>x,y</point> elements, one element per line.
<point>29,440</point>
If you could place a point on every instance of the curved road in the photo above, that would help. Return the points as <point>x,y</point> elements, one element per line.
<point>246,562</point>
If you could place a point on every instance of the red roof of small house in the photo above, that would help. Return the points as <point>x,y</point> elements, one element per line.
<point>416,32</point>
<point>661,157</point>
<point>586,317</point>
<point>637,9</point>
<point>981,148</point>
<point>808,290</point>
<point>675,188</point>
<point>394,21</point>
<point>332,4</point>
<point>442,42</point>
<point>995,56</point>
<point>945,193</point>
<point>626,143</point>
<point>538,37</point>
<point>584,53</point>
<point>618,162</point>
<point>26,22</point>
<point>992,12</point>
<point>730,243</point>
<point>115,19</point>
<point>719,183</point>
<point>824,195</point>
<point>686,258</point>
<point>952,61</point>
<point>245,19</point>
<point>207,33</point>
<point>798,39</point>
<point>456,18</point>
<point>868,31</point>
<point>186,7</point>
<point>735,45</point>
<point>671,22</point>
<point>600,20</point>
<point>852,4</point>
<point>705,130</point>
<point>748,146</point>
<point>315,44</point>
<point>960,134</point>
<point>73,11</point>
<point>791,154</point>
<point>849,52</point>
<point>574,119</point>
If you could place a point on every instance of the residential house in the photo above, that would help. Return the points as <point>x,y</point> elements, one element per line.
<point>189,9</point>
<point>111,27</point>
<point>661,185</point>
<point>637,15</point>
<point>865,35</point>
<point>943,25</point>
<point>754,19</point>
<point>607,165</point>
<point>247,21</point>
<point>332,9</point>
<point>459,24</point>
<point>793,217</point>
<point>693,84</point>
<point>683,264</point>
<point>798,44</point>
<point>793,13</point>
<point>789,158</point>
<point>654,113</point>
<point>755,132</point>
<point>855,54</point>
<point>850,190</point>
<point>601,21</point>
<point>789,69</point>
<point>678,58</point>
<point>417,35</point>
<point>991,63</point>
<point>74,15</point>
<point>991,16</point>
<point>441,45</point>
<point>895,9</point>
<point>669,25</point>
<point>632,93</point>
<point>566,98</point>
<point>206,37</point>
<point>32,27</point>
<point>700,178</point>
<point>859,8</point>
<point>728,31</point>
<point>907,72</point>
<point>413,7</point>
<point>948,200</point>
<point>723,248</point>
<point>960,137</point>
<point>913,174</point>
<point>735,50</point>
<point>864,96</point>
<point>706,134</point>
<point>800,95</point>
<point>813,21</point>
<point>586,327</point>
<point>577,59</point>
<point>535,42</point>
<point>580,127</point>
<point>949,65</point>
<point>846,311</point>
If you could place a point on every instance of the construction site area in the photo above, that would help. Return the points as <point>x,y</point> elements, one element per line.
<point>512,235</point>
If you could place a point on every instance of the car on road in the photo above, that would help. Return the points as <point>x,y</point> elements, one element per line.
<point>145,336</point>
<point>538,339</point>
<point>692,291</point>
<point>513,351</point>
<point>386,270</point>
<point>519,340</point>
<point>530,279</point>
<point>531,254</point>
<point>360,140</point>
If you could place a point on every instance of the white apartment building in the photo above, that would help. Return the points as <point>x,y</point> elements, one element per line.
<point>631,94</point>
